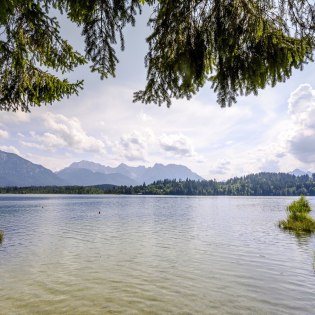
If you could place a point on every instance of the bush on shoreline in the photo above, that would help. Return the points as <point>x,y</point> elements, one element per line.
<point>299,219</point>
<point>1,236</point>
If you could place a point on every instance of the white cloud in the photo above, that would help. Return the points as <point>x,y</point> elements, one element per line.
<point>46,141</point>
<point>134,145</point>
<point>301,140</point>
<point>256,134</point>
<point>177,144</point>
<point>300,99</point>
<point>289,143</point>
<point>32,145</point>
<point>64,133</point>
<point>53,141</point>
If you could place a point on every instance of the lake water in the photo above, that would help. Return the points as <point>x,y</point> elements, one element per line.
<point>152,255</point>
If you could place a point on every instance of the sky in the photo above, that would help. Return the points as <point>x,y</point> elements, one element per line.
<point>273,132</point>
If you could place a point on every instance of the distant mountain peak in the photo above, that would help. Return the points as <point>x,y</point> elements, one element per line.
<point>139,174</point>
<point>83,163</point>
<point>298,172</point>
<point>17,171</point>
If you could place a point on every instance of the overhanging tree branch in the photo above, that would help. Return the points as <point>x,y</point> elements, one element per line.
<point>237,46</point>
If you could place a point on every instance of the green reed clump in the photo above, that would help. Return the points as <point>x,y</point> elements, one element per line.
<point>1,236</point>
<point>299,219</point>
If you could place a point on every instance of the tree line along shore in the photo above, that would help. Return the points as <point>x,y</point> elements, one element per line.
<point>261,184</point>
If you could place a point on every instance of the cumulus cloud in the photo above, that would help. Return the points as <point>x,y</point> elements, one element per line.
<point>177,144</point>
<point>134,145</point>
<point>300,99</point>
<point>292,142</point>
<point>63,133</point>
<point>301,140</point>
<point>68,132</point>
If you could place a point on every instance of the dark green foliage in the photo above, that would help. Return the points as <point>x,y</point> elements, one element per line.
<point>262,184</point>
<point>1,236</point>
<point>298,207</point>
<point>102,21</point>
<point>298,217</point>
<point>77,190</point>
<point>237,46</point>
<point>30,43</point>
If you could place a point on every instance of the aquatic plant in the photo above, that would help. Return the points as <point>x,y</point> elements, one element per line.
<point>299,219</point>
<point>1,236</point>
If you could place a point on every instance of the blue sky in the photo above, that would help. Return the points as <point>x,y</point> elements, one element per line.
<point>274,131</point>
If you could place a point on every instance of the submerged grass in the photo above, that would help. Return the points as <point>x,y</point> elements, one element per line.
<point>299,219</point>
<point>307,225</point>
<point>1,236</point>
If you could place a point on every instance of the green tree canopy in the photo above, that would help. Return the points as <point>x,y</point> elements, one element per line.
<point>239,46</point>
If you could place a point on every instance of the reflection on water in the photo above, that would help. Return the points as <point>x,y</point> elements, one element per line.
<point>302,239</point>
<point>157,255</point>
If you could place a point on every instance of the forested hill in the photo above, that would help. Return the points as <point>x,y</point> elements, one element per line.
<point>262,184</point>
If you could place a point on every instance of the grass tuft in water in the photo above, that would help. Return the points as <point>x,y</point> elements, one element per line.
<point>1,236</point>
<point>299,219</point>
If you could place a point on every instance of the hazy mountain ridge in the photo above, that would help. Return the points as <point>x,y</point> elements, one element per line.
<point>139,174</point>
<point>86,177</point>
<point>16,171</point>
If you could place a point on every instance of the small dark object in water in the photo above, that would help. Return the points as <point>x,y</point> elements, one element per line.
<point>99,212</point>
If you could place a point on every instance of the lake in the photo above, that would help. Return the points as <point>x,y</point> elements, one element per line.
<point>152,255</point>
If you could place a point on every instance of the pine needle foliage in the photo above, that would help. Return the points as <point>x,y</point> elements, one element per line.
<point>31,46</point>
<point>299,219</point>
<point>1,236</point>
<point>30,43</point>
<point>237,46</point>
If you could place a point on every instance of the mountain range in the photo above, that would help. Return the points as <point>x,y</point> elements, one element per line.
<point>124,174</point>
<point>17,171</point>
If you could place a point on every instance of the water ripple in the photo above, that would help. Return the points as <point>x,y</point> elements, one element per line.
<point>152,255</point>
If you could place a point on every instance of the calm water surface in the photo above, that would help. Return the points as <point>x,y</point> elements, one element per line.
<point>152,255</point>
